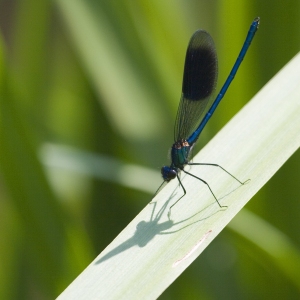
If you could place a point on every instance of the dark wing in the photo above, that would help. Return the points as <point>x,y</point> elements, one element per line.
<point>199,82</point>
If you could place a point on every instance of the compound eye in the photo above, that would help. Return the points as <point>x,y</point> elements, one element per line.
<point>168,173</point>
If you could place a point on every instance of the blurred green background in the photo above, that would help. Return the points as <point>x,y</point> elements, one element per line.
<point>88,97</point>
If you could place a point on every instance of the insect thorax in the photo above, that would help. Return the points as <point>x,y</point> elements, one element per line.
<point>180,153</point>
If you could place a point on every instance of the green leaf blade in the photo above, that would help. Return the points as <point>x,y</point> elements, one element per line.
<point>152,251</point>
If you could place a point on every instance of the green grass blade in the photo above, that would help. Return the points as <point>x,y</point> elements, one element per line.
<point>152,251</point>
<point>278,246</point>
<point>110,71</point>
